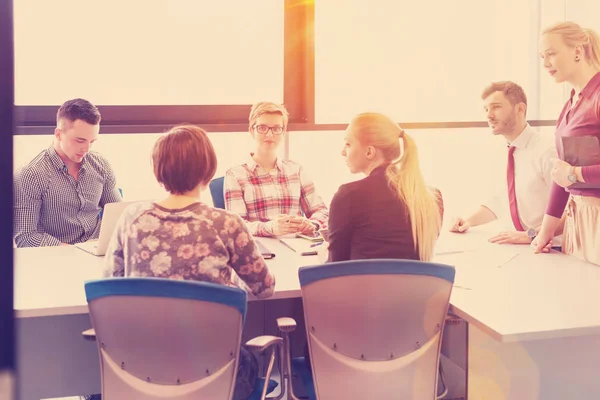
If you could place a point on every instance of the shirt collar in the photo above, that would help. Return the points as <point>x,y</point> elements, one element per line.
<point>523,139</point>
<point>252,165</point>
<point>58,162</point>
<point>380,169</point>
<point>592,86</point>
<point>55,158</point>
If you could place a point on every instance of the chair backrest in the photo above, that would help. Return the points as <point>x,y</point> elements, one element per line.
<point>216,191</point>
<point>160,338</point>
<point>377,323</point>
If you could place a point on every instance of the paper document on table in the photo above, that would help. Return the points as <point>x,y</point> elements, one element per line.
<point>475,279</point>
<point>452,243</point>
<point>489,256</point>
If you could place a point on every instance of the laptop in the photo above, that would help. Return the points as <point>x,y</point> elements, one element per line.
<point>111,214</point>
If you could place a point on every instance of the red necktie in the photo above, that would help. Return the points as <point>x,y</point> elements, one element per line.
<point>512,198</point>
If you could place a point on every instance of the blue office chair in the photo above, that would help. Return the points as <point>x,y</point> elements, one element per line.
<point>171,339</point>
<point>216,191</point>
<point>377,323</point>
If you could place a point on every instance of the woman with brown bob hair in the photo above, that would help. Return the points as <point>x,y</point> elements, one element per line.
<point>182,238</point>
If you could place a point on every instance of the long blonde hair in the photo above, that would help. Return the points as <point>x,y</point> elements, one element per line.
<point>404,176</point>
<point>574,35</point>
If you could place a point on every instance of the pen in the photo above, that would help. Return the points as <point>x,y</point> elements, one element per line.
<point>287,245</point>
<point>462,287</point>
<point>441,253</point>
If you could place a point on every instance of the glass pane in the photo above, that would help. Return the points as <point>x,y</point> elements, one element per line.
<point>585,13</point>
<point>552,95</point>
<point>139,183</point>
<point>420,62</point>
<point>143,52</point>
<point>465,177</point>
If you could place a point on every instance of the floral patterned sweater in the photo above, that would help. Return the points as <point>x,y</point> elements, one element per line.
<point>197,242</point>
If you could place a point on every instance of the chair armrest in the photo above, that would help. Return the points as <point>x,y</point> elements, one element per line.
<point>261,343</point>
<point>90,335</point>
<point>286,324</point>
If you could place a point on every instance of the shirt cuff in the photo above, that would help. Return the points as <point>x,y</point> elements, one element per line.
<point>265,229</point>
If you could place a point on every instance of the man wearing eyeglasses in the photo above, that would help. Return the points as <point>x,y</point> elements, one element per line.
<point>275,196</point>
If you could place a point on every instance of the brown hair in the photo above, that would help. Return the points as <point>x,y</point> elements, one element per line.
<point>183,158</point>
<point>513,92</point>
<point>81,109</point>
<point>266,107</point>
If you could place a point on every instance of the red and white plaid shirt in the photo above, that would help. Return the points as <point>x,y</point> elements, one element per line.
<point>259,196</point>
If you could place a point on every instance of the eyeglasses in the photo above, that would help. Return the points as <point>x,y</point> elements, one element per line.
<point>264,129</point>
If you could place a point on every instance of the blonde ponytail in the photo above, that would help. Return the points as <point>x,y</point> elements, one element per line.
<point>423,205</point>
<point>575,35</point>
<point>593,47</point>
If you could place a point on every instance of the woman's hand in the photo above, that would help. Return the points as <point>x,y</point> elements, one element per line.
<point>560,173</point>
<point>284,224</point>
<point>542,243</point>
<point>307,227</point>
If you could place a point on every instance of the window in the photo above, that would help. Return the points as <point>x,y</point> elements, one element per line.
<point>133,169</point>
<point>148,52</point>
<point>427,62</point>
<point>446,157</point>
<point>552,95</point>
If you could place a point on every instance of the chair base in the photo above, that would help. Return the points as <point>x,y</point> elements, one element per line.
<point>260,383</point>
<point>300,369</point>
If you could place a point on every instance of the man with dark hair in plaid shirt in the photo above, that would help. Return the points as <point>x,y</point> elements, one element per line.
<point>60,194</point>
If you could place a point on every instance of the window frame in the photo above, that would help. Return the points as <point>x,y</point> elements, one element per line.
<point>298,96</point>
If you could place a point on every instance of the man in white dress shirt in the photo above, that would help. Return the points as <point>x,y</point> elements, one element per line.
<point>526,186</point>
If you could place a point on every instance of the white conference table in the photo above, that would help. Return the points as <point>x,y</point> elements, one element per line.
<point>534,332</point>
<point>51,312</point>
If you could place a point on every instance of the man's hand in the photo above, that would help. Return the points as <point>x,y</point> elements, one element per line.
<point>510,238</point>
<point>460,225</point>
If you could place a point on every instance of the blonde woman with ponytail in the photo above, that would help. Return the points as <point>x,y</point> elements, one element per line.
<point>571,54</point>
<point>390,213</point>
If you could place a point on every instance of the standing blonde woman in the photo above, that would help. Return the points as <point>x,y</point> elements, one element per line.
<point>572,54</point>
<point>390,213</point>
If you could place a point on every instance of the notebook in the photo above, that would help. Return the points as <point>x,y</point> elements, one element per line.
<point>581,151</point>
<point>266,253</point>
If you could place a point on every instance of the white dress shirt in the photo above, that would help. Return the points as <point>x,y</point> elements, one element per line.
<point>533,164</point>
